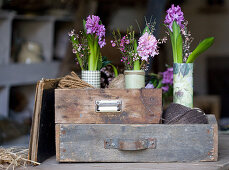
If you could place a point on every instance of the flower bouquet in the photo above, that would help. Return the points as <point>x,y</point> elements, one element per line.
<point>182,57</point>
<point>136,54</point>
<point>86,46</point>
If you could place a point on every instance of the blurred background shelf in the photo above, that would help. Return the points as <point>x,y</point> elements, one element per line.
<point>23,74</point>
<point>21,31</point>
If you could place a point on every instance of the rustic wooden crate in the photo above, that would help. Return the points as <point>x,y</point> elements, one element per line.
<point>138,106</point>
<point>137,142</point>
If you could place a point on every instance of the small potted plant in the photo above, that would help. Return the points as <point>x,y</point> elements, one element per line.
<point>86,46</point>
<point>183,58</point>
<point>136,54</point>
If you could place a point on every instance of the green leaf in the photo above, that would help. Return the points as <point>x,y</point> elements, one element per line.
<point>105,61</point>
<point>173,43</point>
<point>114,69</point>
<point>177,43</point>
<point>179,48</point>
<point>146,29</point>
<point>84,27</point>
<point>135,46</point>
<point>202,47</point>
<point>100,62</point>
<point>184,69</point>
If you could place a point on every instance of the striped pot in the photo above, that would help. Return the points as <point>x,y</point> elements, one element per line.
<point>134,79</point>
<point>91,77</point>
<point>183,84</point>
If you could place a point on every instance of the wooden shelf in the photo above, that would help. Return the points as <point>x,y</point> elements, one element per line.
<point>23,74</point>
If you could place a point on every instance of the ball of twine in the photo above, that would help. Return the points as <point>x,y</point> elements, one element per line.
<point>179,114</point>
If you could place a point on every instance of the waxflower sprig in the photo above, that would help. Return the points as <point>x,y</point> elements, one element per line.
<point>177,29</point>
<point>86,45</point>
<point>136,53</point>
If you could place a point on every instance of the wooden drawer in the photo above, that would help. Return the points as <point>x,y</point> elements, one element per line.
<point>137,142</point>
<point>108,106</point>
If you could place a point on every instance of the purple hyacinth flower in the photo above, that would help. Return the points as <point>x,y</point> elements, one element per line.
<point>174,14</point>
<point>165,88</point>
<point>149,86</point>
<point>93,27</point>
<point>167,76</point>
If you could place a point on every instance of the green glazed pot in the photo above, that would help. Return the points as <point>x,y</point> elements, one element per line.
<point>134,79</point>
<point>183,84</point>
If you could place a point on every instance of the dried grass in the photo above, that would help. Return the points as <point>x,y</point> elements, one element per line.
<point>13,157</point>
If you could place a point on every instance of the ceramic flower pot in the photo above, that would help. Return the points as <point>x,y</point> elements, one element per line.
<point>183,84</point>
<point>91,77</point>
<point>134,79</point>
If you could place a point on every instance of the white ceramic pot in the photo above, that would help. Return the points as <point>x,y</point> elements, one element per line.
<point>134,79</point>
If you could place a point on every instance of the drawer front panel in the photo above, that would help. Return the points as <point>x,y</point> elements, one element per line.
<point>136,143</point>
<point>108,106</point>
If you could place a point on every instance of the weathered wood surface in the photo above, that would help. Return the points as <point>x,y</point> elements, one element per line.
<point>221,164</point>
<point>139,106</point>
<point>174,143</point>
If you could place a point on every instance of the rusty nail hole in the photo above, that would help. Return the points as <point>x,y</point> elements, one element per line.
<point>64,150</point>
<point>63,132</point>
<point>208,131</point>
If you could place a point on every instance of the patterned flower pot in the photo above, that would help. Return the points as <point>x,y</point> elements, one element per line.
<point>134,79</point>
<point>183,84</point>
<point>91,77</point>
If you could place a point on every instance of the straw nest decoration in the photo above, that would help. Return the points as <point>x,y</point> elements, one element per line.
<point>118,82</point>
<point>72,82</point>
<point>13,157</point>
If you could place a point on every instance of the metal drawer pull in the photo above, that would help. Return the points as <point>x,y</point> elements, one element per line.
<point>130,145</point>
<point>108,106</point>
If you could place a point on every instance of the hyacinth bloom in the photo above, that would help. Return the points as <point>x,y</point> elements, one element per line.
<point>93,26</point>
<point>136,53</point>
<point>87,46</point>
<point>173,21</point>
<point>96,39</point>
<point>149,86</point>
<point>167,76</point>
<point>147,46</point>
<point>174,14</point>
<point>177,28</point>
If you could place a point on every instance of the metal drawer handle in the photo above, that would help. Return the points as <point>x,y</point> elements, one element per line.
<point>129,144</point>
<point>108,106</point>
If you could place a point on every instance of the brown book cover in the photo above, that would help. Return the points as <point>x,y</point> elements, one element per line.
<point>42,135</point>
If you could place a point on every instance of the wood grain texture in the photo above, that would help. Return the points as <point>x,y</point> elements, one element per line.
<point>139,106</point>
<point>57,142</point>
<point>174,143</point>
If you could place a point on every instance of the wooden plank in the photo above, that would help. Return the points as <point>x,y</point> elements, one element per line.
<point>174,143</point>
<point>57,142</point>
<point>78,106</point>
